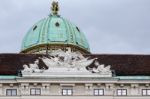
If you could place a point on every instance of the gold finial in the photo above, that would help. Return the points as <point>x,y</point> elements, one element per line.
<point>55,8</point>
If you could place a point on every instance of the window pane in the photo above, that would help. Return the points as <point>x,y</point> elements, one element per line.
<point>35,91</point>
<point>96,92</point>
<point>32,92</point>
<point>8,92</point>
<point>124,92</point>
<point>11,92</point>
<point>38,91</point>
<point>69,92</point>
<point>64,92</point>
<point>143,92</point>
<point>119,92</point>
<point>14,92</point>
<point>101,92</point>
<point>148,92</point>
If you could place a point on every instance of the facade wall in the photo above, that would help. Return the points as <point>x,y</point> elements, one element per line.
<point>80,90</point>
<point>73,97</point>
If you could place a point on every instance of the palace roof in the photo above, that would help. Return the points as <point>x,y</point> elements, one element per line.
<point>121,65</point>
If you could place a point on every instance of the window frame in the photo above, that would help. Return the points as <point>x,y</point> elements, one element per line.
<point>67,92</point>
<point>146,92</point>
<point>35,91</point>
<point>11,92</point>
<point>122,92</point>
<point>98,92</point>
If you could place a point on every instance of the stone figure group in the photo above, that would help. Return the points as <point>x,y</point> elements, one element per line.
<point>74,61</point>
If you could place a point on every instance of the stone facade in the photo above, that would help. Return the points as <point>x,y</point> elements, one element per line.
<point>81,88</point>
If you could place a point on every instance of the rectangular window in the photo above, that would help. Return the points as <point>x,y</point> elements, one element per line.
<point>35,91</point>
<point>11,92</point>
<point>67,92</point>
<point>98,92</point>
<point>146,92</point>
<point>122,92</point>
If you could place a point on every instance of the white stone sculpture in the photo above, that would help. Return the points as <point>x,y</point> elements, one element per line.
<point>70,60</point>
<point>101,68</point>
<point>66,63</point>
<point>27,69</point>
<point>32,68</point>
<point>35,65</point>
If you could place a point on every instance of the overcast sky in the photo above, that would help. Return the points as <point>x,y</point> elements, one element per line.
<point>111,26</point>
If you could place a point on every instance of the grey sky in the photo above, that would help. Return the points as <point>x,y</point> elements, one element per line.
<point>111,26</point>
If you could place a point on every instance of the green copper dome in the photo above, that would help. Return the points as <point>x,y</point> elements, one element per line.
<point>54,31</point>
